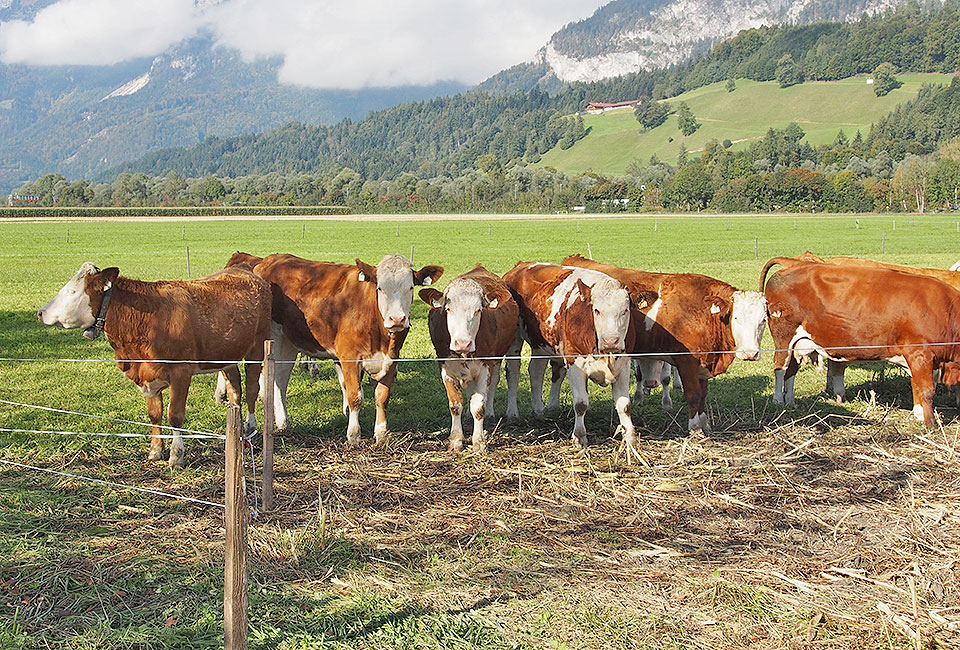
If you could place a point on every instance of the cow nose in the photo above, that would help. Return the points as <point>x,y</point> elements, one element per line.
<point>394,322</point>
<point>649,383</point>
<point>40,314</point>
<point>749,355</point>
<point>610,343</point>
<point>461,345</point>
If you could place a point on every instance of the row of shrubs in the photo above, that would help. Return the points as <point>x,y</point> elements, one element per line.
<point>176,211</point>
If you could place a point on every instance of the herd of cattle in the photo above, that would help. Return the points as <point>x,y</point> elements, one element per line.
<point>584,319</point>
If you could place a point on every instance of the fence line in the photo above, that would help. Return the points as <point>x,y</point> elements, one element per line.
<point>113,435</point>
<point>119,485</point>
<point>631,355</point>
<point>121,421</point>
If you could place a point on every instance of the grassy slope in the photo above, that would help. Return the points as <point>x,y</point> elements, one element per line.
<point>820,108</point>
<point>109,569</point>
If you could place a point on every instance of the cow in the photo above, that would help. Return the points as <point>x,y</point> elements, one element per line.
<point>207,324</point>
<point>583,319</point>
<point>694,322</point>
<point>357,314</point>
<point>652,372</point>
<point>472,324</point>
<point>836,369</point>
<point>849,313</point>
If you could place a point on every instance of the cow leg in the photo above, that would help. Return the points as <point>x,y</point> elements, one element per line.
<point>557,373</point>
<point>176,411</point>
<point>639,393</point>
<point>252,370</point>
<point>621,400</point>
<point>581,402</point>
<point>492,390</point>
<point>835,387</point>
<point>702,407</point>
<point>921,381</point>
<point>455,401</point>
<point>220,392</point>
<point>537,369</point>
<point>381,398</point>
<point>666,402</point>
<point>155,411</point>
<point>690,374</point>
<point>477,389</point>
<point>513,377</point>
<point>343,389</point>
<point>284,353</point>
<point>354,391</point>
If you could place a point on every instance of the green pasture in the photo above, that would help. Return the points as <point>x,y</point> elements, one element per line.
<point>68,578</point>
<point>821,108</point>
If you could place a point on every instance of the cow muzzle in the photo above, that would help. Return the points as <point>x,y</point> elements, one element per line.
<point>650,383</point>
<point>748,355</point>
<point>611,344</point>
<point>462,346</point>
<point>396,324</point>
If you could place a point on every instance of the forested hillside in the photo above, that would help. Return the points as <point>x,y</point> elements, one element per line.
<point>446,135</point>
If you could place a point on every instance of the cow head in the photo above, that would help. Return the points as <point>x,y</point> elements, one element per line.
<point>650,371</point>
<point>747,314</point>
<point>611,313</point>
<point>395,279</point>
<point>463,302</point>
<point>77,304</point>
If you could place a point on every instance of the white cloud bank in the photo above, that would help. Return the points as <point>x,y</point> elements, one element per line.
<point>324,44</point>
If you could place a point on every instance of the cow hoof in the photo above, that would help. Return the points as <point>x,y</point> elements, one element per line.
<point>353,441</point>
<point>512,414</point>
<point>456,446</point>
<point>380,435</point>
<point>156,454</point>
<point>480,448</point>
<point>177,461</point>
<point>580,441</point>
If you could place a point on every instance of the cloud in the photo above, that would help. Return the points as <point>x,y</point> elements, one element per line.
<point>322,43</point>
<point>97,32</point>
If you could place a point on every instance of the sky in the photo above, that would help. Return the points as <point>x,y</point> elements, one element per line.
<point>345,44</point>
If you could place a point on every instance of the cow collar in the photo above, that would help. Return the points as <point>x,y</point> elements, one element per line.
<point>94,331</point>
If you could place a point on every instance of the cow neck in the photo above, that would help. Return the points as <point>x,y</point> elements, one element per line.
<point>100,321</point>
<point>120,304</point>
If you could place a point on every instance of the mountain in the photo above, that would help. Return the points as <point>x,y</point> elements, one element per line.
<point>82,120</point>
<point>627,36</point>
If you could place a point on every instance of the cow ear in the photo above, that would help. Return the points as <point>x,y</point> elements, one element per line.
<point>103,280</point>
<point>646,298</point>
<point>367,273</point>
<point>496,298</point>
<point>432,297</point>
<point>427,275</point>
<point>583,290</point>
<point>950,373</point>
<point>719,306</point>
<point>776,309</point>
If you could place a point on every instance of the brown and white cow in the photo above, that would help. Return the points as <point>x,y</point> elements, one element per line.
<point>357,314</point>
<point>472,325</point>
<point>836,369</point>
<point>584,317</point>
<point>694,322</point>
<point>209,323</point>
<point>853,313</point>
<point>652,372</point>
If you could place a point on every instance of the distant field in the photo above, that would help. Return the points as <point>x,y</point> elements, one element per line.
<point>821,108</point>
<point>727,541</point>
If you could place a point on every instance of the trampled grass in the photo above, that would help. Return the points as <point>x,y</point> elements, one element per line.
<point>821,108</point>
<point>784,528</point>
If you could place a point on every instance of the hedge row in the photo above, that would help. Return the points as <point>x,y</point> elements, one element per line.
<point>200,211</point>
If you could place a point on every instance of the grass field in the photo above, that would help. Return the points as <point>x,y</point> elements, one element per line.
<point>821,526</point>
<point>821,108</point>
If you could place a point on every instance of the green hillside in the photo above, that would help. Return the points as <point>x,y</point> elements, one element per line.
<point>821,108</point>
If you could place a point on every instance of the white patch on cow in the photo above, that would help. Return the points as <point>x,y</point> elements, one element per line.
<point>918,412</point>
<point>151,388</point>
<point>70,308</point>
<point>807,345</point>
<point>566,292</point>
<point>611,314</point>
<point>747,321</point>
<point>602,370</point>
<point>956,266</point>
<point>900,361</point>
<point>377,366</point>
<point>395,292</point>
<point>650,318</point>
<point>714,309</point>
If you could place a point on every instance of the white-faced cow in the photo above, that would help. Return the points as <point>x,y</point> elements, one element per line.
<point>652,372</point>
<point>207,323</point>
<point>358,315</point>
<point>472,325</point>
<point>694,322</point>
<point>584,317</point>
<point>852,313</point>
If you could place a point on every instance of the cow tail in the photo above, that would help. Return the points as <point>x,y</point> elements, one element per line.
<point>786,262</point>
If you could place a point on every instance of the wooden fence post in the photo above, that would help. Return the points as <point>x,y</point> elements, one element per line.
<point>268,422</point>
<point>236,518</point>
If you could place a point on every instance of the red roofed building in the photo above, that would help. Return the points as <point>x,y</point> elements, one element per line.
<point>599,107</point>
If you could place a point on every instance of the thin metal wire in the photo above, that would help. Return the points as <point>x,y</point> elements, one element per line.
<point>119,485</point>
<point>103,417</point>
<point>632,355</point>
<point>114,435</point>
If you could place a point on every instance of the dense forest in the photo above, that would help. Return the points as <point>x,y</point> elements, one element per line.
<point>478,151</point>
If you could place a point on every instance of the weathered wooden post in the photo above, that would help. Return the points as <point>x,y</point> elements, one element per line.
<point>268,421</point>
<point>188,262</point>
<point>236,518</point>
